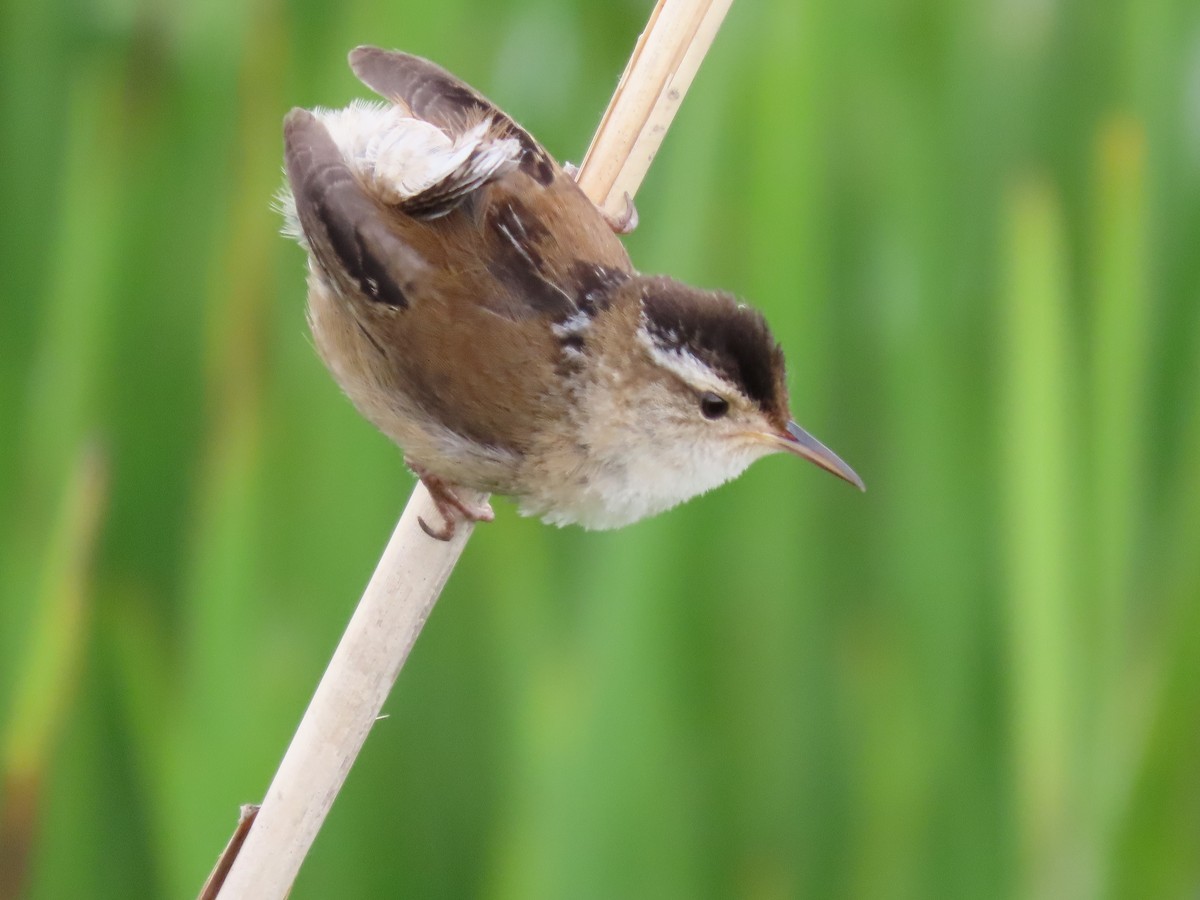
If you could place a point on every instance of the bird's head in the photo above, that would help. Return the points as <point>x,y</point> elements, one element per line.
<point>684,397</point>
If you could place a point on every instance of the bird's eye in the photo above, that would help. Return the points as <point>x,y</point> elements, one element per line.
<point>712,406</point>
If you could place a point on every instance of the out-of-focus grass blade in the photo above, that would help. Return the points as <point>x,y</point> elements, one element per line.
<point>64,387</point>
<point>52,656</point>
<point>60,487</point>
<point>73,304</point>
<point>1118,362</point>
<point>1038,406</point>
<point>221,634</point>
<point>1157,819</point>
<point>1122,312</point>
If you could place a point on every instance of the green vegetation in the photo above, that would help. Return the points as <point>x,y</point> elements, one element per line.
<point>974,227</point>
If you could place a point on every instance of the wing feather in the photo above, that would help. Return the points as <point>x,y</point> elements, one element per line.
<point>342,225</point>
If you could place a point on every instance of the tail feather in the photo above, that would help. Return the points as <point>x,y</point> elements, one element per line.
<point>433,94</point>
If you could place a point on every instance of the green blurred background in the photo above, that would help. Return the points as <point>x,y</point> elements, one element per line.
<point>974,226</point>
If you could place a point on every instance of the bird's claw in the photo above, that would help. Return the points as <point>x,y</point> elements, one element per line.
<point>452,508</point>
<point>624,221</point>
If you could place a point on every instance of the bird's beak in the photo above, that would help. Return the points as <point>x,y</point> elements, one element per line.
<point>798,441</point>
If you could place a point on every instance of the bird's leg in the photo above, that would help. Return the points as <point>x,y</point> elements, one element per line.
<point>449,504</point>
<point>623,222</point>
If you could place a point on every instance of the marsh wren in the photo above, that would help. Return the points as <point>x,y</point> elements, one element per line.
<point>479,309</point>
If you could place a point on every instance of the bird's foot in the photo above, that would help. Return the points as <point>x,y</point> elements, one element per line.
<point>452,508</point>
<point>622,222</point>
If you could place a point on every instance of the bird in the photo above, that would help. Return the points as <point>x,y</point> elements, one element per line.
<point>483,313</point>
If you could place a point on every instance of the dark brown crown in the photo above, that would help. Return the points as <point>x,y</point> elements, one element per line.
<point>729,337</point>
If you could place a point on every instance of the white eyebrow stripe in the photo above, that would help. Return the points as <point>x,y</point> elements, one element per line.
<point>684,364</point>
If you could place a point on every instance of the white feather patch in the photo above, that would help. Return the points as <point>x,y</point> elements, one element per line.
<point>401,156</point>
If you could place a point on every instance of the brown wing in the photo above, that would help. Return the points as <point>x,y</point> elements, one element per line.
<point>411,318</point>
<point>465,304</point>
<point>533,241</point>
<point>522,250</point>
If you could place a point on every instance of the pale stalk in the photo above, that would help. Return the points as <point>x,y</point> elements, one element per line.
<point>414,567</point>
